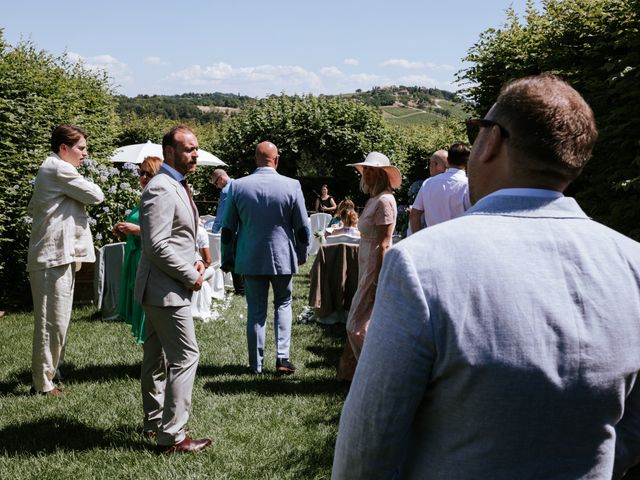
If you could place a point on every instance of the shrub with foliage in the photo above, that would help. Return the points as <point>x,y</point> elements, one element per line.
<point>37,93</point>
<point>595,46</point>
<point>317,137</point>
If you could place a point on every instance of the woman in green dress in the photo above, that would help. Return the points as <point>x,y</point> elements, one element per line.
<point>128,309</point>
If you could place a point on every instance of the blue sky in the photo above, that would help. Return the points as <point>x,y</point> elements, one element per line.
<point>260,48</point>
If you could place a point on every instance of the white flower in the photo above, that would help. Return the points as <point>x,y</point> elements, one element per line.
<point>127,211</point>
<point>92,221</point>
<point>106,209</point>
<point>28,220</point>
<point>98,236</point>
<point>103,178</point>
<point>112,189</point>
<point>125,186</point>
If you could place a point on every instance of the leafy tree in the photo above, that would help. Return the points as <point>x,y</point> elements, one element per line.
<point>317,137</point>
<point>37,93</point>
<point>595,46</point>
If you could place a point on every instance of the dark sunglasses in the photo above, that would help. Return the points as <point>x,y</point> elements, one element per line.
<point>145,174</point>
<point>475,124</point>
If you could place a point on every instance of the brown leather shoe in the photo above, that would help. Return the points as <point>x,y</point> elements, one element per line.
<point>56,392</point>
<point>188,445</point>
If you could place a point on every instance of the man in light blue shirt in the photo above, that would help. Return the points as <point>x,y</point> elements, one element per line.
<point>221,180</point>
<point>504,344</point>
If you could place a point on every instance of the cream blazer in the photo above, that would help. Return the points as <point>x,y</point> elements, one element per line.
<point>60,231</point>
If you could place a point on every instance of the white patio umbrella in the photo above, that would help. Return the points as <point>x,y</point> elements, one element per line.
<point>137,153</point>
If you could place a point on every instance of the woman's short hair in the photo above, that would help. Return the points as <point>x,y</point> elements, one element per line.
<point>349,217</point>
<point>152,163</point>
<point>66,134</point>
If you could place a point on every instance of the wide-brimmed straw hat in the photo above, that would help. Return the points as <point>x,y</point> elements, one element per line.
<point>379,160</point>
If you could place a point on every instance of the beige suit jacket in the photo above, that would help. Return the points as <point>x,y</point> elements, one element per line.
<point>60,231</point>
<point>167,272</point>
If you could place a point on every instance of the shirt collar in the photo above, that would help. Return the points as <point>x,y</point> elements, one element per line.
<point>527,192</point>
<point>176,175</point>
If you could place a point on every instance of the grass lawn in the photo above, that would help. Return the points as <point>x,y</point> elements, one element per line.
<point>265,427</point>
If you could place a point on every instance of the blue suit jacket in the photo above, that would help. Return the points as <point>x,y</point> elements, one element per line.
<point>503,344</point>
<point>265,229</point>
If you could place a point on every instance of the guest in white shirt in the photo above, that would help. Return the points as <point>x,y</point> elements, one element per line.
<point>444,196</point>
<point>437,164</point>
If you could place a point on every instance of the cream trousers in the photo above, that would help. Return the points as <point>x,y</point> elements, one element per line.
<point>52,291</point>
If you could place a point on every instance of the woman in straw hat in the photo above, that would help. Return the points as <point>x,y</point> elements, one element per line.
<point>376,225</point>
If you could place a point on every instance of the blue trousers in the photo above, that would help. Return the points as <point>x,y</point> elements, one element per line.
<point>256,288</point>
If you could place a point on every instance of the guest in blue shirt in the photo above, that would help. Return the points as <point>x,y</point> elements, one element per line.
<point>221,180</point>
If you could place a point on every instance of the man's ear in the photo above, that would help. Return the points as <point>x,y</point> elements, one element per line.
<point>491,145</point>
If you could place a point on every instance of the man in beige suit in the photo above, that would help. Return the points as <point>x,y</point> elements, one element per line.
<point>60,240</point>
<point>170,270</point>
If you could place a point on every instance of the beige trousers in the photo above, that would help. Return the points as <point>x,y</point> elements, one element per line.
<point>52,291</point>
<point>169,366</point>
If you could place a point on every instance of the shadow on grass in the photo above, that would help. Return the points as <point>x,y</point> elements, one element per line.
<point>91,373</point>
<point>58,433</point>
<point>72,374</point>
<point>272,384</point>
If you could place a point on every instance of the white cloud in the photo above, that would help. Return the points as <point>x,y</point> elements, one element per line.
<point>255,80</point>
<point>350,61</point>
<point>401,63</point>
<point>151,60</point>
<point>331,72</point>
<point>119,71</point>
<point>443,66</point>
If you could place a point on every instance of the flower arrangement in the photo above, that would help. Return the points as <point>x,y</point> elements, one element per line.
<point>121,194</point>
<point>319,235</point>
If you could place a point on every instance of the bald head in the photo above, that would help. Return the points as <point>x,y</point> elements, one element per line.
<point>267,155</point>
<point>438,163</point>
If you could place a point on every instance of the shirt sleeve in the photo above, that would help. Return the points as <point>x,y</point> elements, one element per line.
<point>391,378</point>
<point>418,203</point>
<point>386,210</point>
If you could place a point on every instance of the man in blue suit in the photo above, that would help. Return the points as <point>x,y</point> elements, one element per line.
<point>505,343</point>
<point>265,235</point>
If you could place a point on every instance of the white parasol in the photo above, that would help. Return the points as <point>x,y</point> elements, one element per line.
<point>137,153</point>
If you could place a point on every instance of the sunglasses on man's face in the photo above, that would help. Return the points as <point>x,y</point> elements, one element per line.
<point>475,124</point>
<point>145,174</point>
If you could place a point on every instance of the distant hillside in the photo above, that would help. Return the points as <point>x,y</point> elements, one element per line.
<point>412,105</point>
<point>204,107</point>
<point>399,105</point>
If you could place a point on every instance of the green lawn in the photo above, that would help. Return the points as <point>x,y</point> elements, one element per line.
<point>265,427</point>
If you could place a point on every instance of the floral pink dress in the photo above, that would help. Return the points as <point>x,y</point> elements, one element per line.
<point>379,210</point>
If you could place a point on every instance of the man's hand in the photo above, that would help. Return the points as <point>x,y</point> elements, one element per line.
<point>198,285</point>
<point>200,267</point>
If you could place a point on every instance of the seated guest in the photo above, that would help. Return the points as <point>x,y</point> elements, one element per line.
<point>344,204</point>
<point>128,308</point>
<point>349,220</point>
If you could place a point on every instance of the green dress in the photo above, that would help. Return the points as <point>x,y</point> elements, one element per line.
<point>128,309</point>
